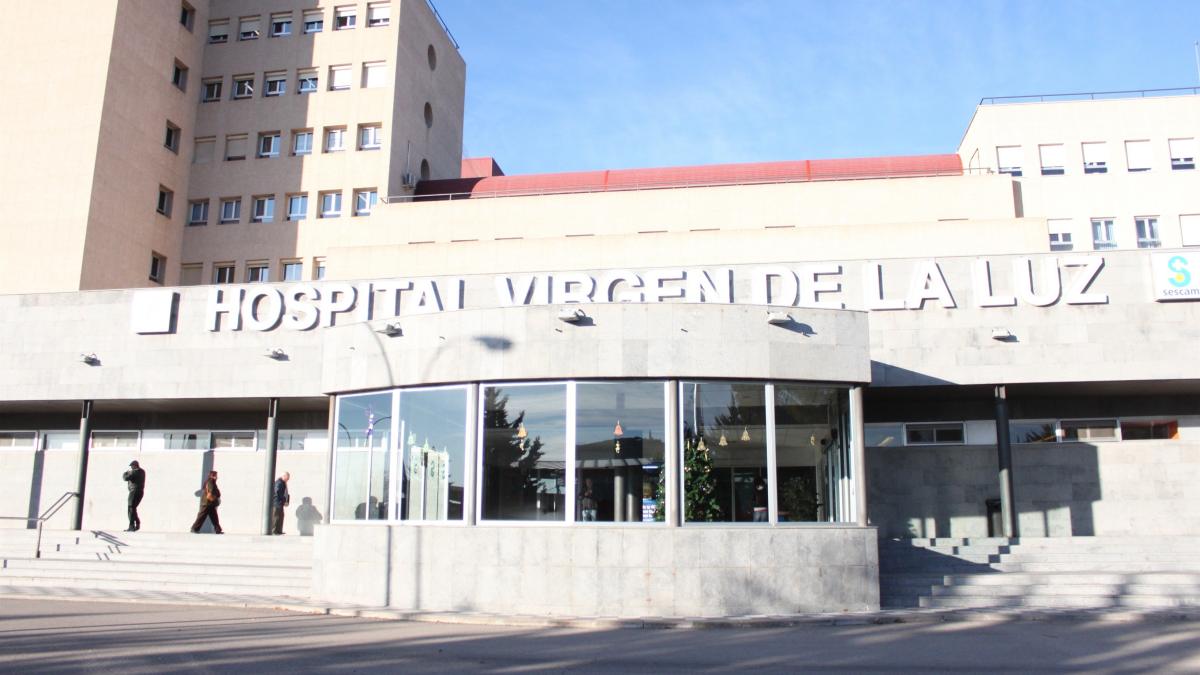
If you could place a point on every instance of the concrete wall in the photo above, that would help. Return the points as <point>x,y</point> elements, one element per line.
<point>602,571</point>
<point>1142,488</point>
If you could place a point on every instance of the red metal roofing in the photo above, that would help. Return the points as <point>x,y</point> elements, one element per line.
<point>694,176</point>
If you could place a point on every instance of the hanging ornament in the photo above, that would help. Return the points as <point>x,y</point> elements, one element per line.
<point>412,438</point>
<point>721,441</point>
<point>745,434</point>
<point>812,439</point>
<point>701,446</point>
<point>617,430</point>
<point>617,446</point>
<point>521,433</point>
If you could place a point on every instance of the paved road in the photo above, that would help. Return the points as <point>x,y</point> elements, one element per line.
<point>42,636</point>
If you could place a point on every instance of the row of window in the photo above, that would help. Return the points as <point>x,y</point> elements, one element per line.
<point>1024,431</point>
<point>275,82</point>
<point>1139,156</point>
<point>292,269</point>
<point>171,439</point>
<point>280,24</point>
<point>263,207</point>
<point>1104,235</point>
<point>269,144</point>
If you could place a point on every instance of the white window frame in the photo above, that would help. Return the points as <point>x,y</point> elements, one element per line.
<point>274,84</point>
<point>1009,153</point>
<point>293,201</point>
<point>1060,230</point>
<point>340,78</point>
<point>314,21</point>
<point>318,268</point>
<point>249,28</point>
<point>1147,231</point>
<point>115,433</point>
<point>243,87</point>
<point>1139,156</point>
<point>234,434</point>
<point>158,267</point>
<point>379,14</point>
<point>268,144</point>
<point>936,427</point>
<point>210,90</point>
<point>257,268</point>
<point>224,269</point>
<point>1183,153</point>
<point>374,75</point>
<point>1189,229</point>
<point>231,210</point>
<point>1065,422</point>
<point>308,82</point>
<point>166,197</point>
<point>218,32</point>
<point>332,133</point>
<point>1095,157</point>
<point>15,435</point>
<point>371,197</point>
<point>375,134</point>
<point>1053,157</point>
<point>285,265</point>
<point>345,17</point>
<point>330,204</point>
<point>305,135</point>
<point>1107,227</point>
<point>202,204</point>
<point>281,24</point>
<point>264,209</point>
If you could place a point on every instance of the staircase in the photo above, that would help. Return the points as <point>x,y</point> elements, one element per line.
<point>148,564</point>
<point>1057,572</point>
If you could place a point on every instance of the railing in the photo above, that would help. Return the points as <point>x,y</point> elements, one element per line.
<point>46,515</point>
<point>444,26</point>
<point>1091,95</point>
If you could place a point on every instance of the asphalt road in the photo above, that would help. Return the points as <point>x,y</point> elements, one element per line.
<point>52,636</point>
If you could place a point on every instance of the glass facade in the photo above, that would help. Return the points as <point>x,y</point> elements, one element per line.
<point>596,452</point>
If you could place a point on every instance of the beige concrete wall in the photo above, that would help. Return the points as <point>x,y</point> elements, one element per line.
<point>54,103</point>
<point>1117,194</point>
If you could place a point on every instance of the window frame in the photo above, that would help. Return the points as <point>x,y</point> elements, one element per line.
<point>210,89</point>
<point>192,206</point>
<point>336,198</point>
<point>166,198</point>
<point>937,428</point>
<point>243,88</point>
<point>297,135</point>
<point>214,36</point>
<point>255,23</point>
<point>263,215</point>
<point>236,217</point>
<point>275,84</point>
<point>224,273</point>
<point>372,202</point>
<point>345,17</point>
<point>258,268</point>
<point>376,133</point>
<point>302,199</point>
<point>276,139</point>
<point>158,267</point>
<point>1147,231</point>
<point>1108,224</point>
<point>278,18</point>
<point>308,82</point>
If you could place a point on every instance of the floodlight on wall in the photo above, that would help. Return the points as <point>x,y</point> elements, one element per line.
<point>392,329</point>
<point>778,318</point>
<point>1003,335</point>
<point>90,359</point>
<point>571,315</point>
<point>277,353</point>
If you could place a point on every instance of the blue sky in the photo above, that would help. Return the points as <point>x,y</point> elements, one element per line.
<point>567,85</point>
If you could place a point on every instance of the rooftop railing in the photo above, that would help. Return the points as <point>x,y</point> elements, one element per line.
<point>443,22</point>
<point>1090,95</point>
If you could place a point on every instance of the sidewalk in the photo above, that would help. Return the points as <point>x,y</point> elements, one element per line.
<point>886,616</point>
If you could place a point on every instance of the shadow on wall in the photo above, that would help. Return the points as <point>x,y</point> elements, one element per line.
<point>886,374</point>
<point>307,517</point>
<point>35,488</point>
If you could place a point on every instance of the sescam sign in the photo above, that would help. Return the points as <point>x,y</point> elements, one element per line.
<point>1176,276</point>
<point>1040,282</point>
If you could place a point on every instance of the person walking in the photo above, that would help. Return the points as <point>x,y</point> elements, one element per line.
<point>135,478</point>
<point>279,499</point>
<point>210,499</point>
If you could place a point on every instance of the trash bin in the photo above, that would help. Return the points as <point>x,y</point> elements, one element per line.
<point>995,518</point>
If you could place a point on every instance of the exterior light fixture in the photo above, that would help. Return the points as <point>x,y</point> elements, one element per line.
<point>277,353</point>
<point>1003,335</point>
<point>778,318</point>
<point>392,329</point>
<point>571,315</point>
<point>91,359</point>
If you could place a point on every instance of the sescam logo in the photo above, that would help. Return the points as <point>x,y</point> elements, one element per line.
<point>1173,279</point>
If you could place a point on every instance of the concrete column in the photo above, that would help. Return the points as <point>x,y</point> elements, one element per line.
<point>858,453</point>
<point>85,445</point>
<point>329,459</point>
<point>673,500</point>
<point>272,457</point>
<point>1008,511</point>
<point>474,419</point>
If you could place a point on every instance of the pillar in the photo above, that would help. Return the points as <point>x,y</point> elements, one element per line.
<point>85,444</point>
<point>272,458</point>
<point>858,453</point>
<point>1008,511</point>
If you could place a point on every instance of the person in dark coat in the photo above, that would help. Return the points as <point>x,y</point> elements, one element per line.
<point>135,478</point>
<point>210,499</point>
<point>279,499</point>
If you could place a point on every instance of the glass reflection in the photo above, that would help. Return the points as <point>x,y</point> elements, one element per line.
<point>724,455</point>
<point>524,452</point>
<point>807,450</point>
<point>619,451</point>
<point>433,424</point>
<point>361,468</point>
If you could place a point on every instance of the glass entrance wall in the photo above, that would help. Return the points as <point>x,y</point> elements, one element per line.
<point>584,452</point>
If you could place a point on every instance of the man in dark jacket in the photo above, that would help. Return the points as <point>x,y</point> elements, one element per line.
<point>210,499</point>
<point>279,499</point>
<point>135,478</point>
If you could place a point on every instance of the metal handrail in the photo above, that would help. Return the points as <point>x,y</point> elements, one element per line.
<point>41,520</point>
<point>444,26</point>
<point>1091,95</point>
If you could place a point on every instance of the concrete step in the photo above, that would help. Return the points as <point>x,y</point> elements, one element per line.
<point>1062,601</point>
<point>1041,590</point>
<point>138,553</point>
<point>161,580</point>
<point>282,570</point>
<point>81,581</point>
<point>1089,566</point>
<point>1072,578</point>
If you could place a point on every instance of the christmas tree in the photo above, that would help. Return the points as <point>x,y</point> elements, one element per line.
<point>700,494</point>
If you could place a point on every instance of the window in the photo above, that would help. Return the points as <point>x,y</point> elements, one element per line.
<point>339,78</point>
<point>158,267</point>
<point>1095,157</point>
<point>1060,234</point>
<point>374,75</point>
<point>302,142</point>
<point>297,207</point>
<point>370,137</point>
<point>248,28</point>
<point>313,21</point>
<point>275,84</point>
<point>235,148</point>
<point>364,201</point>
<point>1183,154</point>
<point>331,204</point>
<point>1147,231</point>
<point>1138,156</point>
<point>127,440</point>
<point>268,144</point>
<point>378,14</point>
<point>198,212</point>
<point>231,210</point>
<point>179,73</point>
<point>318,269</point>
<point>187,16</point>
<point>164,201</point>
<point>223,440</point>
<point>335,139</point>
<point>223,273</point>
<point>725,422</point>
<point>202,152</point>
<point>884,435</point>
<point>1189,229</point>
<point>264,209</point>
<point>526,423</point>
<point>18,440</point>
<point>212,90</point>
<point>292,270</point>
<point>257,271</point>
<point>171,138</point>
<point>1033,431</point>
<point>281,24</point>
<point>1102,234</point>
<point>190,274</point>
<point>1053,159</point>
<point>1008,159</point>
<point>1089,430</point>
<point>306,81</point>
<point>218,32</point>
<point>1144,430</point>
<point>934,434</point>
<point>243,86</point>
<point>344,17</point>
